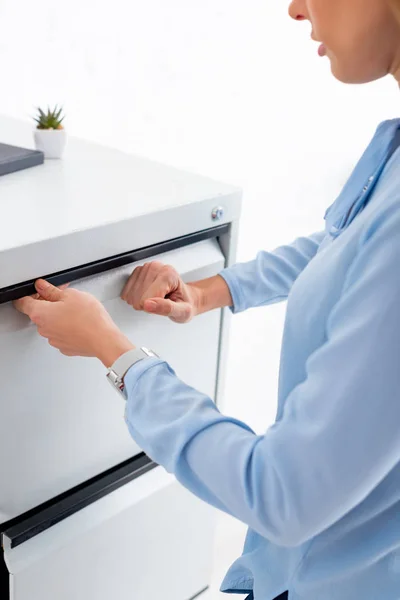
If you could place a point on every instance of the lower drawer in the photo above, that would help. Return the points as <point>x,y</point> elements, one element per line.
<point>149,539</point>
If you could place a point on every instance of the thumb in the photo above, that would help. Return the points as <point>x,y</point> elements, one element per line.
<point>47,291</point>
<point>179,311</point>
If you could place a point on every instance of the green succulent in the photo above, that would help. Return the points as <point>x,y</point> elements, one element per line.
<point>51,119</point>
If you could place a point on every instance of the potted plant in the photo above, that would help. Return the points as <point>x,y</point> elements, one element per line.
<point>50,136</point>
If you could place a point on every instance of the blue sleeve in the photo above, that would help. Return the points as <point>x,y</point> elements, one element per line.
<point>269,277</point>
<point>339,434</point>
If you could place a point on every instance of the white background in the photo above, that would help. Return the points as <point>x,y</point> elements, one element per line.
<point>228,88</point>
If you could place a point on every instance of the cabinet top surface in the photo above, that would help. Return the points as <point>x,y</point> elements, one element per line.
<point>92,186</point>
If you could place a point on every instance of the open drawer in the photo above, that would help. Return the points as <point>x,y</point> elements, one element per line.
<point>60,421</point>
<point>149,538</point>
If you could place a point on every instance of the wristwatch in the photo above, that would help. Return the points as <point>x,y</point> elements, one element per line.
<point>119,369</point>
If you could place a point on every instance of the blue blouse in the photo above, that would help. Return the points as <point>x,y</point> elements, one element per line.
<point>320,490</point>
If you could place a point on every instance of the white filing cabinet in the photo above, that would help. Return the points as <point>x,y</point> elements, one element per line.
<point>83,512</point>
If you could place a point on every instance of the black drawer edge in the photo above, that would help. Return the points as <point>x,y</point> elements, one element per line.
<point>4,579</point>
<point>37,520</point>
<point>27,288</point>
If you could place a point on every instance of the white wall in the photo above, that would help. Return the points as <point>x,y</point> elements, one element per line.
<point>229,88</point>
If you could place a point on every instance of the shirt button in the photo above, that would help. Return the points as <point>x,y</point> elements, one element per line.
<point>370,179</point>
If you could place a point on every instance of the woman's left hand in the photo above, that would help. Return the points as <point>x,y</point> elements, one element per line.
<point>75,323</point>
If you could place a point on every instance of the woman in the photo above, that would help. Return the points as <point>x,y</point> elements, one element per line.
<point>320,490</point>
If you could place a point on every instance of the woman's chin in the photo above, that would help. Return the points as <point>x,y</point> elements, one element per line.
<point>352,75</point>
<point>342,76</point>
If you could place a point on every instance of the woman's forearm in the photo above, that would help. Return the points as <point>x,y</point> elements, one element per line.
<point>265,280</point>
<point>213,293</point>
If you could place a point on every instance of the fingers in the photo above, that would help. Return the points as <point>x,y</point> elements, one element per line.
<point>28,306</point>
<point>148,288</point>
<point>32,306</point>
<point>49,292</point>
<point>158,306</point>
<point>130,285</point>
<point>149,282</point>
<point>166,281</point>
<point>140,285</point>
<point>177,311</point>
<point>142,278</point>
<point>60,287</point>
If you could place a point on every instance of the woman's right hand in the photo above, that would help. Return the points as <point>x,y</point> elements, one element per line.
<point>158,289</point>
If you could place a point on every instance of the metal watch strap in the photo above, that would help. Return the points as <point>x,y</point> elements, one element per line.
<point>122,365</point>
